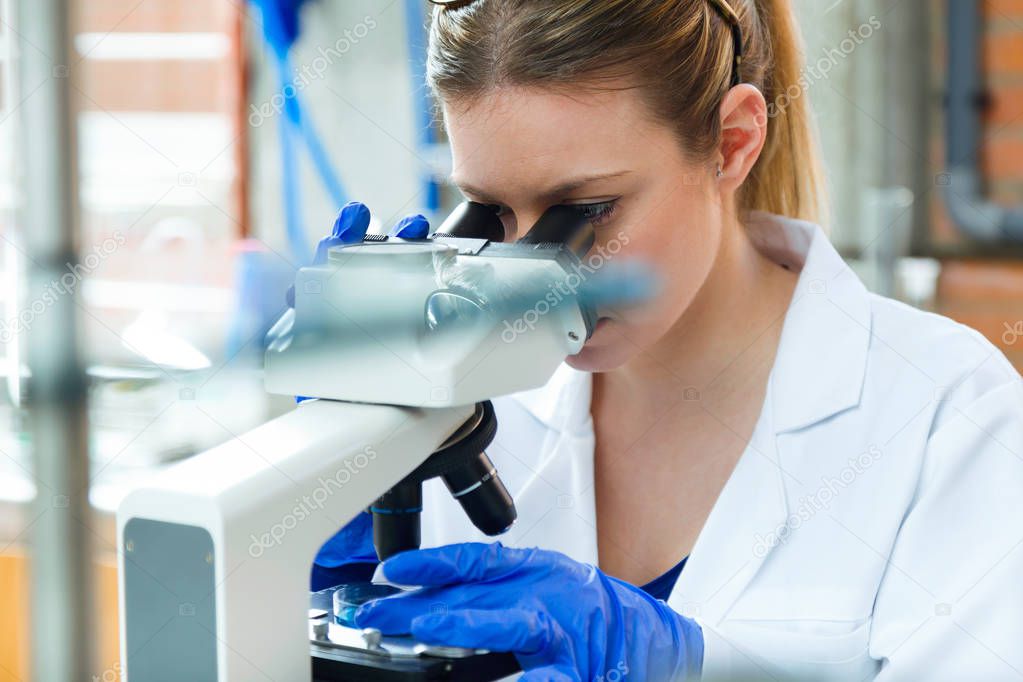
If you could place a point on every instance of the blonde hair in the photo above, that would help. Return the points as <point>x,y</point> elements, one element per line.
<point>678,53</point>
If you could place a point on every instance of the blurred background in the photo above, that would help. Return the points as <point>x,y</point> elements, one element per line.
<point>216,142</point>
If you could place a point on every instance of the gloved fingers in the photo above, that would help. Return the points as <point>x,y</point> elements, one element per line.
<point>351,223</point>
<point>550,673</point>
<point>411,227</point>
<point>349,228</point>
<point>452,564</point>
<point>520,631</point>
<point>394,615</point>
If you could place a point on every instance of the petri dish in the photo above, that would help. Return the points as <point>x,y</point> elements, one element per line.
<point>348,598</point>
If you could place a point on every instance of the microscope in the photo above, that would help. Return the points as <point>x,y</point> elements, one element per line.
<point>402,342</point>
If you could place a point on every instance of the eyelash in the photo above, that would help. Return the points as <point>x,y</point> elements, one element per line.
<point>597,213</point>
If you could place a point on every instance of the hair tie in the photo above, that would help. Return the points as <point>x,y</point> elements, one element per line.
<point>452,4</point>
<point>732,19</point>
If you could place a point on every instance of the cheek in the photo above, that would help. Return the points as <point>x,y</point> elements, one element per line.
<point>679,241</point>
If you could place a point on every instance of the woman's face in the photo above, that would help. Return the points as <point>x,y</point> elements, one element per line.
<point>529,149</point>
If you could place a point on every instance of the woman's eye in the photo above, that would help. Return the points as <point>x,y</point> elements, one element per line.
<point>598,213</point>
<point>507,219</point>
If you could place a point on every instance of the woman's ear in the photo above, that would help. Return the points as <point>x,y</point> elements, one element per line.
<point>743,133</point>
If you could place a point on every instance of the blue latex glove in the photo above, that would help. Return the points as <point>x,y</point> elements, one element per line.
<point>563,620</point>
<point>350,227</point>
<point>348,556</point>
<point>411,227</point>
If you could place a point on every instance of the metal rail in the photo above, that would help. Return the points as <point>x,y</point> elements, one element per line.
<point>60,539</point>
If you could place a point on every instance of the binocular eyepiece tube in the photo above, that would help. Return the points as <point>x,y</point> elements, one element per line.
<point>562,224</point>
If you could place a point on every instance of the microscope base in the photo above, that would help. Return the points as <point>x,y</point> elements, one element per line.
<point>333,665</point>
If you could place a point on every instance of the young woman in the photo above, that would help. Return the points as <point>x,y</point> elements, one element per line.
<point>767,471</point>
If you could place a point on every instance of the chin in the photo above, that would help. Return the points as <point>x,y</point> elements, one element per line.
<point>597,359</point>
<point>601,354</point>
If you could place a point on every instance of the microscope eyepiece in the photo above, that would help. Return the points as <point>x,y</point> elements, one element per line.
<point>473,220</point>
<point>562,224</point>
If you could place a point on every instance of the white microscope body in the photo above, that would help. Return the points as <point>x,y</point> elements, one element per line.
<point>399,340</point>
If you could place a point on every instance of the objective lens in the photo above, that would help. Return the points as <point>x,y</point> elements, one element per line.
<point>469,475</point>
<point>482,495</point>
<point>396,526</point>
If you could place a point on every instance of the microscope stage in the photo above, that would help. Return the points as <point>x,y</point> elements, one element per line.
<point>345,653</point>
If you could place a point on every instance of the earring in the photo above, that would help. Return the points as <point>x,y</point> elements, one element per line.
<point>720,172</point>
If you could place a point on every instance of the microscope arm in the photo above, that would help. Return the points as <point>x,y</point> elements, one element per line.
<point>214,556</point>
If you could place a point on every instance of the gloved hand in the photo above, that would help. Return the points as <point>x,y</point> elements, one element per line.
<point>350,227</point>
<point>563,620</point>
<point>349,555</point>
<point>411,227</point>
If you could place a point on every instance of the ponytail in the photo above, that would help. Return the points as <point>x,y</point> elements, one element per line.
<point>788,179</point>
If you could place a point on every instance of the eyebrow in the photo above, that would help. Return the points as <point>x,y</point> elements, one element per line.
<point>563,188</point>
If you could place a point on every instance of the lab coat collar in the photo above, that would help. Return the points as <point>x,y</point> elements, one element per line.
<point>563,404</point>
<point>821,360</point>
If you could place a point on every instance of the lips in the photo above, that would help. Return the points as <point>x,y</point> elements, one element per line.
<point>602,323</point>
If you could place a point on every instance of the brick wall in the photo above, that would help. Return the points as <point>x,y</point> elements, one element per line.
<point>987,293</point>
<point>163,117</point>
<point>204,85</point>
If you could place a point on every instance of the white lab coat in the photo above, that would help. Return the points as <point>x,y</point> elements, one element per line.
<point>873,527</point>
